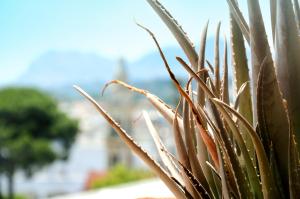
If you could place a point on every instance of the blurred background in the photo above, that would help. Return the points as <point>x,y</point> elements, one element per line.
<point>51,45</point>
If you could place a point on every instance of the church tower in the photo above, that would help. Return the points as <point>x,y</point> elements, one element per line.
<point>118,152</point>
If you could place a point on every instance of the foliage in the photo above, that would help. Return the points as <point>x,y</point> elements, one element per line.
<point>17,197</point>
<point>33,131</point>
<point>120,174</point>
<point>248,148</point>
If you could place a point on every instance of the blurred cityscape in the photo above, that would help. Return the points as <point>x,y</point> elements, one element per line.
<point>97,147</point>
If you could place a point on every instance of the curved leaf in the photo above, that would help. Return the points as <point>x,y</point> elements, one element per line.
<point>201,94</point>
<point>168,162</point>
<point>287,58</point>
<point>135,147</point>
<point>253,178</point>
<point>267,179</point>
<point>272,120</point>
<point>217,60</point>
<point>259,46</point>
<point>225,85</point>
<point>199,170</point>
<point>237,14</point>
<point>165,110</point>
<point>241,74</point>
<point>177,31</point>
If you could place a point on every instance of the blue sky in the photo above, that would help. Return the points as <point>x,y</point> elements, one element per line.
<point>29,28</point>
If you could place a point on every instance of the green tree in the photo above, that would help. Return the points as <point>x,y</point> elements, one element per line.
<point>33,132</point>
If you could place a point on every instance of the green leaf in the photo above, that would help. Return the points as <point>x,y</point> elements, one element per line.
<point>236,175</point>
<point>217,61</point>
<point>201,94</point>
<point>241,75</point>
<point>259,46</point>
<point>208,140</point>
<point>240,178</point>
<point>267,179</point>
<point>237,15</point>
<point>272,119</point>
<point>239,94</point>
<point>177,31</point>
<point>241,70</point>
<point>287,58</point>
<point>225,86</point>
<point>253,178</point>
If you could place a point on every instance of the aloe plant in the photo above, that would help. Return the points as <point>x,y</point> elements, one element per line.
<point>248,148</point>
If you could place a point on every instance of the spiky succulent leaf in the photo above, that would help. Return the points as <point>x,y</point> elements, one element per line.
<point>252,175</point>
<point>239,175</point>
<point>225,80</point>
<point>287,48</point>
<point>201,94</point>
<point>217,60</point>
<point>241,70</point>
<point>199,173</point>
<point>136,148</point>
<point>165,110</point>
<point>272,119</point>
<point>237,14</point>
<point>241,75</point>
<point>177,31</point>
<point>220,153</point>
<point>168,162</point>
<point>183,155</point>
<point>259,45</point>
<point>267,179</point>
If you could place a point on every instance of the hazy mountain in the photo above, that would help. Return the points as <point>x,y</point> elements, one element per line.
<point>58,71</point>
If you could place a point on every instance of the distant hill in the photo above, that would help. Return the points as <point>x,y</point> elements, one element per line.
<point>57,71</point>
